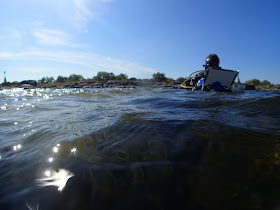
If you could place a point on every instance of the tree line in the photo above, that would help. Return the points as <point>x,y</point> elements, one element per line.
<point>101,76</point>
<point>257,82</point>
<point>104,76</point>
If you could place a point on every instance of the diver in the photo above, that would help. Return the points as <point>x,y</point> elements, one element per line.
<point>212,61</point>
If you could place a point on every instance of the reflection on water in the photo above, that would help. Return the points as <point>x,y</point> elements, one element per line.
<point>54,178</point>
<point>17,147</point>
<point>55,149</point>
<point>139,149</point>
<point>36,207</point>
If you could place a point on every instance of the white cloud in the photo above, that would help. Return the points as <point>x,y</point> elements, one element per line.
<point>53,37</point>
<point>88,10</point>
<point>93,62</point>
<point>82,13</point>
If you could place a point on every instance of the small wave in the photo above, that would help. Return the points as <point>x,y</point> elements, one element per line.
<point>121,144</point>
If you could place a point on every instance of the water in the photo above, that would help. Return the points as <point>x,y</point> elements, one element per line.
<point>139,149</point>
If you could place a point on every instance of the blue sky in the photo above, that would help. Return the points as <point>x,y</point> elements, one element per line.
<point>138,37</point>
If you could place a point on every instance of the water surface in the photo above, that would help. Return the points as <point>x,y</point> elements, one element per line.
<point>139,149</point>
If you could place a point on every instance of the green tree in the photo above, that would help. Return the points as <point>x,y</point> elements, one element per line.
<point>253,82</point>
<point>111,76</point>
<point>181,79</point>
<point>104,76</point>
<point>132,79</point>
<point>75,78</point>
<point>61,79</point>
<point>265,82</point>
<point>46,80</point>
<point>122,77</point>
<point>159,77</point>
<point>42,81</point>
<point>49,79</point>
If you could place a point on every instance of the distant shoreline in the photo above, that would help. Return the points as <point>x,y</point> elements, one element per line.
<point>31,84</point>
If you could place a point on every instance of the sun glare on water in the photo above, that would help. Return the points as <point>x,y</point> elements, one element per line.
<point>54,178</point>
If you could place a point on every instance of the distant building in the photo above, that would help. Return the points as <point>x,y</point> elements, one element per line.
<point>5,79</point>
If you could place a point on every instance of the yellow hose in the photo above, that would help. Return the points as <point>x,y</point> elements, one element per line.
<point>185,86</point>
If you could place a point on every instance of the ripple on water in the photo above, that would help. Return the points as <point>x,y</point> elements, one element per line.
<point>149,148</point>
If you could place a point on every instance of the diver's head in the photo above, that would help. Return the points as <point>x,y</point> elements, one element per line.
<point>212,60</point>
